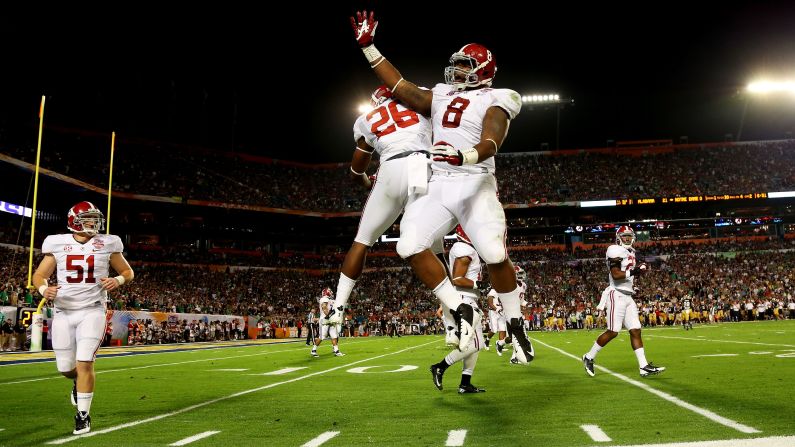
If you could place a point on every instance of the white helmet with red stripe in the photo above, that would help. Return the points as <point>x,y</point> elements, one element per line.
<point>327,293</point>
<point>625,236</point>
<point>85,218</point>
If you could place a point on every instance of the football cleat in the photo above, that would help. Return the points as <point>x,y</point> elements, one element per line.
<point>467,389</point>
<point>437,374</point>
<point>487,342</point>
<point>339,354</point>
<point>523,349</point>
<point>468,320</point>
<point>335,316</point>
<point>514,361</point>
<point>650,370</point>
<point>499,347</point>
<point>314,354</point>
<point>588,363</point>
<point>73,394</point>
<point>82,423</point>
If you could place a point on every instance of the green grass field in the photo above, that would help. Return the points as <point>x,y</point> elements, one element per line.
<point>162,398</point>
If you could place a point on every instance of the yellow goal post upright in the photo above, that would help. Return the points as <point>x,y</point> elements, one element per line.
<point>38,320</point>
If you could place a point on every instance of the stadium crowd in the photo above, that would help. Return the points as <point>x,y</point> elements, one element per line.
<point>523,178</point>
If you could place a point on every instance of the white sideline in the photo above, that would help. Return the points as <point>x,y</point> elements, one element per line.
<point>723,341</point>
<point>193,438</point>
<point>230,396</point>
<point>320,440</point>
<point>773,441</point>
<point>673,399</point>
<point>455,438</point>
<point>169,364</point>
<point>596,433</point>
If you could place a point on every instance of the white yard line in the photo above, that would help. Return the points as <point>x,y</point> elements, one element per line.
<point>715,355</point>
<point>596,433</point>
<point>673,399</point>
<point>167,364</point>
<point>193,438</point>
<point>456,437</point>
<point>320,440</point>
<point>228,369</point>
<point>279,372</point>
<point>722,341</point>
<point>230,396</point>
<point>773,441</point>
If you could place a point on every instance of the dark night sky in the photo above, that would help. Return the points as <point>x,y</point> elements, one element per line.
<point>211,77</point>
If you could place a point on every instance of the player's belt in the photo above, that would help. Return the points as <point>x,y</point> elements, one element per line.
<point>625,292</point>
<point>406,154</point>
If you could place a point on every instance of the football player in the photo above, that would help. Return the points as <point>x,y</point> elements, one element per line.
<point>618,303</point>
<point>327,330</point>
<point>687,308</point>
<point>470,121</point>
<point>401,137</point>
<point>465,274</point>
<point>82,260</point>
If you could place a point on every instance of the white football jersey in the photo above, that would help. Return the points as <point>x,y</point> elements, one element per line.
<point>322,300</point>
<point>464,250</point>
<point>627,256</point>
<point>80,267</point>
<point>457,118</point>
<point>392,129</point>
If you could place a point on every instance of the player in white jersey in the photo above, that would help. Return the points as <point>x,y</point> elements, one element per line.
<point>470,122</point>
<point>618,303</point>
<point>82,260</point>
<point>465,273</point>
<point>331,331</point>
<point>401,137</point>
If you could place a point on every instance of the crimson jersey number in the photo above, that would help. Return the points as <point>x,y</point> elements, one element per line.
<point>452,116</point>
<point>402,118</point>
<point>74,263</point>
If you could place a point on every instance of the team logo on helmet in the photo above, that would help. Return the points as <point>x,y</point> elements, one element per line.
<point>327,293</point>
<point>471,66</point>
<point>521,274</point>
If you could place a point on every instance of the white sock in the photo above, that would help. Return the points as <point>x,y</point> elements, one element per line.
<point>448,295</point>
<point>594,350</point>
<point>510,304</point>
<point>344,288</point>
<point>455,356</point>
<point>640,353</point>
<point>336,349</point>
<point>501,342</point>
<point>84,401</point>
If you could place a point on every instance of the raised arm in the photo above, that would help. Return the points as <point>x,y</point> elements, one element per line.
<point>416,98</point>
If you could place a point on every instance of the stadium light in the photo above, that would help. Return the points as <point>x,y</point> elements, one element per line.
<point>764,87</point>
<point>364,108</point>
<point>552,99</point>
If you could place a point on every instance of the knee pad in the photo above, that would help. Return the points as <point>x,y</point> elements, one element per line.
<point>65,364</point>
<point>493,253</point>
<point>408,245</point>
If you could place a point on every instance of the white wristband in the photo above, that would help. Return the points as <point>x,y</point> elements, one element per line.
<point>628,274</point>
<point>120,279</point>
<point>371,53</point>
<point>42,289</point>
<point>470,156</point>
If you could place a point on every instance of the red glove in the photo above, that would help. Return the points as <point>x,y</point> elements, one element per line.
<point>364,28</point>
<point>442,151</point>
